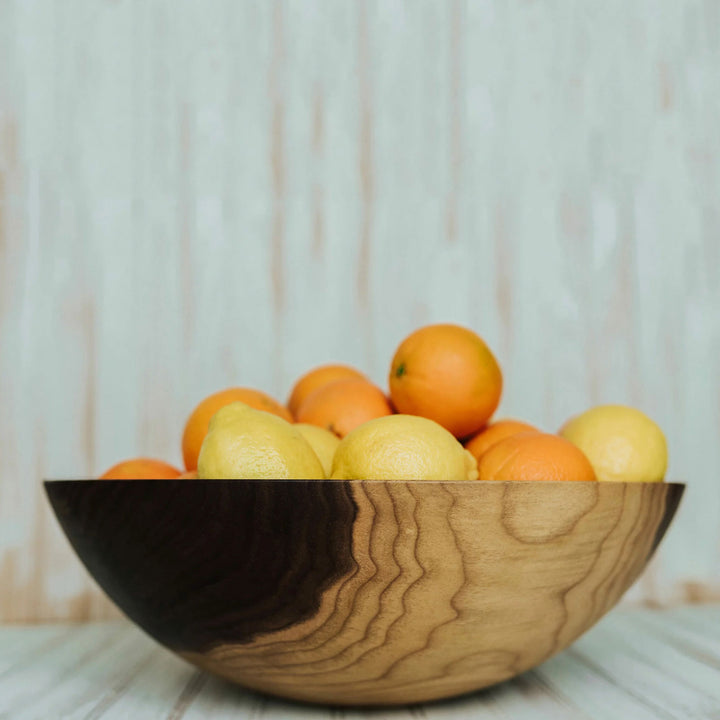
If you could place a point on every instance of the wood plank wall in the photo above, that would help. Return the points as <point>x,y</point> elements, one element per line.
<point>200,194</point>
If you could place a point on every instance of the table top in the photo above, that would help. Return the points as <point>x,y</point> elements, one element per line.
<point>636,664</point>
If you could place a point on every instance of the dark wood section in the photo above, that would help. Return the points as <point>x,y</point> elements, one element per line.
<point>672,497</point>
<point>205,563</point>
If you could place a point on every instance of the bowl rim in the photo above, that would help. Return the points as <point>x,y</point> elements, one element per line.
<point>195,481</point>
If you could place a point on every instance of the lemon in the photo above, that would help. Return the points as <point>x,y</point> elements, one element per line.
<point>322,441</point>
<point>622,443</point>
<point>245,443</point>
<point>402,447</point>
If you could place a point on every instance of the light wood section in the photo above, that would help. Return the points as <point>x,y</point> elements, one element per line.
<point>457,586</point>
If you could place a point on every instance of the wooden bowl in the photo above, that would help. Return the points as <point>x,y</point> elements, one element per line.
<point>364,592</point>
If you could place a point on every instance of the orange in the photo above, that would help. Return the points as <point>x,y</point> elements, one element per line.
<point>479,444</point>
<point>189,475</point>
<point>448,374</point>
<point>343,405</point>
<point>535,456</point>
<point>315,379</point>
<point>197,425</point>
<point>141,469</point>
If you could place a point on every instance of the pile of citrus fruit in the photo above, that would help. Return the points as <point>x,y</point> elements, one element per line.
<point>435,423</point>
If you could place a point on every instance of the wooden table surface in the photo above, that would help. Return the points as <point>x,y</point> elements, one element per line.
<point>634,665</point>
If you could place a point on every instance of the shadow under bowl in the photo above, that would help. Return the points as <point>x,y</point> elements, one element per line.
<point>364,592</point>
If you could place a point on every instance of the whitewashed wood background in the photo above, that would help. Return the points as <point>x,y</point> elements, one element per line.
<point>201,194</point>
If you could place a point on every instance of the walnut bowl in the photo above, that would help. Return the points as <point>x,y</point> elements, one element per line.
<point>364,592</point>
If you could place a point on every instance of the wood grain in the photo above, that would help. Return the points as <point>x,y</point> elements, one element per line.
<point>201,195</point>
<point>364,592</point>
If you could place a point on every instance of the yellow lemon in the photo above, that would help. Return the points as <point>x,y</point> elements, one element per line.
<point>622,443</point>
<point>322,441</point>
<point>245,443</point>
<point>402,447</point>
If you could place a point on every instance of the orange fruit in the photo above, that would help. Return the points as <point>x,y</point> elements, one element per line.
<point>448,374</point>
<point>189,475</point>
<point>343,405</point>
<point>535,456</point>
<point>197,425</point>
<point>315,379</point>
<point>479,444</point>
<point>141,469</point>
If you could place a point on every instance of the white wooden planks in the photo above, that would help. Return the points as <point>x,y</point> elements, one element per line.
<point>199,195</point>
<point>635,664</point>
